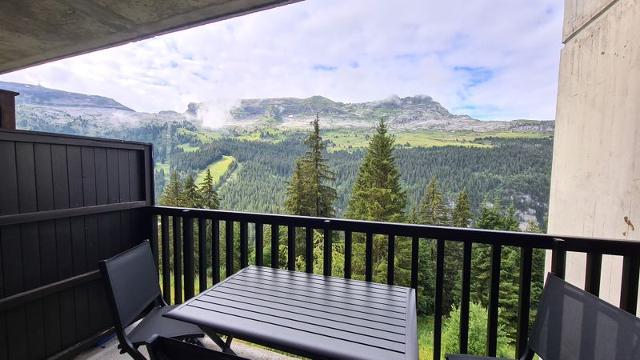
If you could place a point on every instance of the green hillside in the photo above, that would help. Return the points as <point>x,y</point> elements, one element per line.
<point>512,166</point>
<point>218,169</point>
<point>345,139</point>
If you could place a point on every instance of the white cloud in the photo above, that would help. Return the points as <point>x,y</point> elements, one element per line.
<point>347,50</point>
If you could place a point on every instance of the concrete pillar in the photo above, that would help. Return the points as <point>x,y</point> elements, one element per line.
<point>8,109</point>
<point>595,181</point>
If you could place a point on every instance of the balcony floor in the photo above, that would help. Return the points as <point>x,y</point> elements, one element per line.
<point>110,351</point>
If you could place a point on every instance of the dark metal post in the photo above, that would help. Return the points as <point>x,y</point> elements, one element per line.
<point>494,294</point>
<point>464,301</point>
<point>524,300</point>
<point>327,249</point>
<point>309,249</point>
<point>592,276</point>
<point>629,290</point>
<point>558,258</point>
<point>291,247</point>
<point>347,254</point>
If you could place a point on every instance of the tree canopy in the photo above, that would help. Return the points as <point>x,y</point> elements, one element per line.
<point>310,191</point>
<point>377,193</point>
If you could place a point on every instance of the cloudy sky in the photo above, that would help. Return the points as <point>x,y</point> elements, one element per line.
<point>492,59</point>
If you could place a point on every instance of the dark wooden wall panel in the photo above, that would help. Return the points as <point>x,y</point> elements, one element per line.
<point>48,174</point>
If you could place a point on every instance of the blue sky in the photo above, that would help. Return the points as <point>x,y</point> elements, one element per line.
<point>491,59</point>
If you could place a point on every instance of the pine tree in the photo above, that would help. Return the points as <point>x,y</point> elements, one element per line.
<point>172,194</point>
<point>432,209</point>
<point>310,192</point>
<point>461,215</point>
<point>377,193</point>
<point>493,217</point>
<point>490,218</point>
<point>322,195</point>
<point>208,196</point>
<point>537,271</point>
<point>298,201</point>
<point>190,195</point>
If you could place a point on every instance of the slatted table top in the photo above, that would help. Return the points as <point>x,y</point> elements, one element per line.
<point>309,315</point>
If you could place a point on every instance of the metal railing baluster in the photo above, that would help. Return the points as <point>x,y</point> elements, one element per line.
<point>415,256</point>
<point>391,257</point>
<point>177,261</point>
<point>228,230</point>
<point>629,288</point>
<point>166,261</point>
<point>368,249</point>
<point>215,250</point>
<point>348,249</point>
<point>309,249</point>
<point>327,249</point>
<point>244,244</point>
<point>465,298</point>
<point>494,298</point>
<point>524,300</point>
<point>202,253</point>
<point>187,254</point>
<point>291,247</point>
<point>592,273</point>
<point>437,313</point>
<point>259,244</point>
<point>275,246</point>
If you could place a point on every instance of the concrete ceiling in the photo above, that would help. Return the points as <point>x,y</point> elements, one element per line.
<point>37,31</point>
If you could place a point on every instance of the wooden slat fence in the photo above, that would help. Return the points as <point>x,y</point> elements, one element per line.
<point>65,203</point>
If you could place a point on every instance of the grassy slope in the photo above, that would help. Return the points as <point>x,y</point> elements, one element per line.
<point>204,137</point>
<point>218,169</point>
<point>188,148</point>
<point>344,139</point>
<point>269,134</point>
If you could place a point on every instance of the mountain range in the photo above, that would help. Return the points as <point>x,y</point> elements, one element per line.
<point>263,137</point>
<point>39,107</point>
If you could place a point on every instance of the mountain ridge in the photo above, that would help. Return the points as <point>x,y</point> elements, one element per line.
<point>40,95</point>
<point>402,113</point>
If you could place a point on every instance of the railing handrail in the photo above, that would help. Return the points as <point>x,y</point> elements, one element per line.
<point>506,238</point>
<point>182,222</point>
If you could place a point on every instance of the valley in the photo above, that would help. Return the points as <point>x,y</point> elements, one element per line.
<point>252,156</point>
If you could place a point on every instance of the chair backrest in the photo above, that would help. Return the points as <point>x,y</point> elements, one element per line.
<point>162,348</point>
<point>132,283</point>
<point>572,324</point>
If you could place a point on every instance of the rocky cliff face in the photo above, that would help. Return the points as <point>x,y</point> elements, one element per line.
<point>414,112</point>
<point>39,108</point>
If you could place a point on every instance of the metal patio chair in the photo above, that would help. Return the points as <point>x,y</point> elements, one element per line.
<point>572,324</point>
<point>162,348</point>
<point>134,293</point>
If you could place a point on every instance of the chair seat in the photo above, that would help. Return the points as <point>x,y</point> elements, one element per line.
<point>154,324</point>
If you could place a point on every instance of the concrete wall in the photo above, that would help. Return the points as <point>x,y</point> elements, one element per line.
<point>595,180</point>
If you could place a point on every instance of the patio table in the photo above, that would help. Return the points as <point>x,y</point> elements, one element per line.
<point>309,315</point>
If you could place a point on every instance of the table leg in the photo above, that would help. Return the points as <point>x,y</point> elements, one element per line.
<point>225,345</point>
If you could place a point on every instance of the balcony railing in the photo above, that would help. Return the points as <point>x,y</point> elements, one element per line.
<point>175,229</point>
